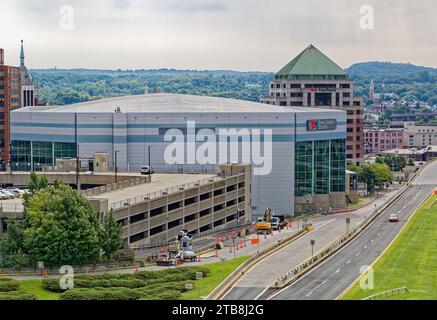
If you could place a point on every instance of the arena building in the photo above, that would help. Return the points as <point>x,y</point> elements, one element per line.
<point>298,154</point>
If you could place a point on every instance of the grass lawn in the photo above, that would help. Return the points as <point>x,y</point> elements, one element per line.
<point>219,272</point>
<point>410,262</point>
<point>35,287</point>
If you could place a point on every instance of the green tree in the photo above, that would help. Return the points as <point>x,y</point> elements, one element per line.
<point>383,173</point>
<point>110,236</point>
<point>11,244</point>
<point>395,162</point>
<point>62,227</point>
<point>37,183</point>
<point>367,175</point>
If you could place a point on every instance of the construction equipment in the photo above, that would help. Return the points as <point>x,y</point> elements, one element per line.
<point>179,251</point>
<point>278,222</point>
<point>264,225</point>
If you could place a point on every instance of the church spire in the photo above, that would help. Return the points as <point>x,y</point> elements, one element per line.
<point>22,54</point>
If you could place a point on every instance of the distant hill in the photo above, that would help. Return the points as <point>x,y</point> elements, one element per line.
<point>61,86</point>
<point>389,71</point>
<point>58,86</point>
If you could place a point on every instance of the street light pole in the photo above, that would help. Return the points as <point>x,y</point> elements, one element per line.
<point>77,167</point>
<point>150,168</point>
<point>116,167</point>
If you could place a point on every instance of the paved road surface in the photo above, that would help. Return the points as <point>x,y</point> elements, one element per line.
<point>328,228</point>
<point>335,275</point>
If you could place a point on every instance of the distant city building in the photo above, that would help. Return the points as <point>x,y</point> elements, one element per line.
<point>313,80</point>
<point>419,136</point>
<point>29,91</point>
<point>377,140</point>
<point>9,100</point>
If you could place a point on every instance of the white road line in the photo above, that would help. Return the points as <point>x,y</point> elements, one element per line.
<point>348,262</point>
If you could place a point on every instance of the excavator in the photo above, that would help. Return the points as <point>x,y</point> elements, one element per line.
<point>264,225</point>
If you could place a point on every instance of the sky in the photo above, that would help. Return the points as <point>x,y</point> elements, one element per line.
<point>243,35</point>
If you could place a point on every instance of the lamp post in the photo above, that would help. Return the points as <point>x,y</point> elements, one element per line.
<point>115,163</point>
<point>150,168</point>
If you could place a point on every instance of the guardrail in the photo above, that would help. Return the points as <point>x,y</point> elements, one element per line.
<point>226,284</point>
<point>387,293</point>
<point>333,247</point>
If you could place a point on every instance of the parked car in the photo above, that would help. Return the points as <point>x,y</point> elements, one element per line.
<point>17,192</point>
<point>3,196</point>
<point>147,170</point>
<point>7,193</point>
<point>393,218</point>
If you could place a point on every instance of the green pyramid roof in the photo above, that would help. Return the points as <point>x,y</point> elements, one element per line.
<point>311,64</point>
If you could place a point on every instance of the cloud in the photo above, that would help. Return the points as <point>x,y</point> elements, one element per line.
<point>216,34</point>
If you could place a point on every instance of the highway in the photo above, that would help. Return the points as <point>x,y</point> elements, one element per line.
<point>332,277</point>
<point>327,229</point>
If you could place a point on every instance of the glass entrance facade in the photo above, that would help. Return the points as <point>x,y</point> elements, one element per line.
<point>320,167</point>
<point>35,155</point>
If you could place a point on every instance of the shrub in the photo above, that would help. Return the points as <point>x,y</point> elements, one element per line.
<point>91,282</point>
<point>17,295</point>
<point>167,295</point>
<point>7,285</point>
<point>52,285</point>
<point>101,294</point>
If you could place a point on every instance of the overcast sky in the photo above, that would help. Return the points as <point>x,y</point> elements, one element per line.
<point>215,34</point>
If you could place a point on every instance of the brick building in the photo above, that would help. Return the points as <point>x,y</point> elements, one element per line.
<point>313,80</point>
<point>377,140</point>
<point>9,100</point>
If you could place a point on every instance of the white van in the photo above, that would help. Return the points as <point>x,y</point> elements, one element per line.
<point>147,170</point>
